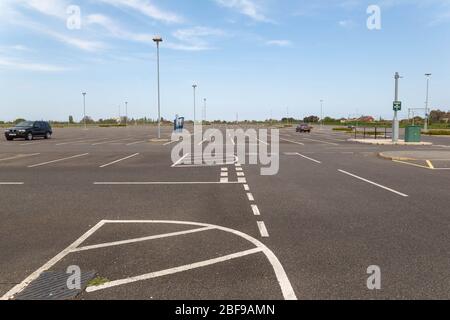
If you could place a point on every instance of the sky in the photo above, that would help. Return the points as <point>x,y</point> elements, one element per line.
<point>253,58</point>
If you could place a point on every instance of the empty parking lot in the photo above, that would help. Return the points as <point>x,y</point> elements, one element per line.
<point>111,201</point>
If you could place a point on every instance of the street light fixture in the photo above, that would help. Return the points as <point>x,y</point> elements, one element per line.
<point>158,39</point>
<point>84,109</point>
<point>427,114</point>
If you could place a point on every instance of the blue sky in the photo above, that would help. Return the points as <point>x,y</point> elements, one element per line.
<point>252,57</point>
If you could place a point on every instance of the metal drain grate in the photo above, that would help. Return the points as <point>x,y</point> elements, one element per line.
<point>52,285</point>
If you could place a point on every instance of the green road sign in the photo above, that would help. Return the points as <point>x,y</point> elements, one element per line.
<point>397,105</point>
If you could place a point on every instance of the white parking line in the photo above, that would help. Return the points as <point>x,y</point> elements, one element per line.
<point>111,141</point>
<point>136,142</point>
<point>180,160</point>
<point>299,143</point>
<point>173,270</point>
<point>120,160</point>
<point>58,160</point>
<point>250,197</point>
<point>262,229</point>
<point>321,141</point>
<point>246,187</point>
<point>11,183</point>
<point>20,156</point>
<point>262,142</point>
<point>240,174</point>
<point>255,210</point>
<point>224,174</point>
<point>373,183</point>
<point>142,239</point>
<point>148,183</point>
<point>308,158</point>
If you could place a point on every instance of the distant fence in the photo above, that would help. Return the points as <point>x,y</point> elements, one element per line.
<point>372,133</point>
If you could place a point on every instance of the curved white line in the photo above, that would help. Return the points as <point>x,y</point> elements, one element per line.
<point>283,280</point>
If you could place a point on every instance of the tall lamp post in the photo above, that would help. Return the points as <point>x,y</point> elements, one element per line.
<point>194,86</point>
<point>427,114</point>
<point>84,109</point>
<point>397,107</point>
<point>204,110</point>
<point>126,113</point>
<point>158,39</point>
<point>321,114</point>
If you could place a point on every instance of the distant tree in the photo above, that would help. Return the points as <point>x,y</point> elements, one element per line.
<point>88,119</point>
<point>311,119</point>
<point>71,120</point>
<point>19,120</point>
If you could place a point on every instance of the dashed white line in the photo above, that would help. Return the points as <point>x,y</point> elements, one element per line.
<point>119,160</point>
<point>246,187</point>
<point>255,210</point>
<point>374,183</point>
<point>240,174</point>
<point>250,197</point>
<point>58,160</point>
<point>262,229</point>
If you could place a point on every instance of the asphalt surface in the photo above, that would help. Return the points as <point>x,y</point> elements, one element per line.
<point>158,231</point>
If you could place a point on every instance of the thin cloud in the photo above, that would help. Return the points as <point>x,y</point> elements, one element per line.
<point>246,7</point>
<point>13,64</point>
<point>116,30</point>
<point>279,43</point>
<point>148,9</point>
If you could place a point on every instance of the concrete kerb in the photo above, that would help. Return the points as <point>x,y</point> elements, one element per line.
<point>389,142</point>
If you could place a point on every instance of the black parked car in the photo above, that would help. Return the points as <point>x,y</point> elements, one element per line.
<point>303,127</point>
<point>28,130</point>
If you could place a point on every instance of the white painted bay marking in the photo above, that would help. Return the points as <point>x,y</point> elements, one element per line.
<point>11,183</point>
<point>160,183</point>
<point>321,141</point>
<point>58,160</point>
<point>246,187</point>
<point>142,239</point>
<point>170,271</point>
<point>136,142</point>
<point>181,159</point>
<point>119,160</point>
<point>299,143</point>
<point>373,183</point>
<point>250,197</point>
<point>255,209</point>
<point>20,156</point>
<point>262,229</point>
<point>308,158</point>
